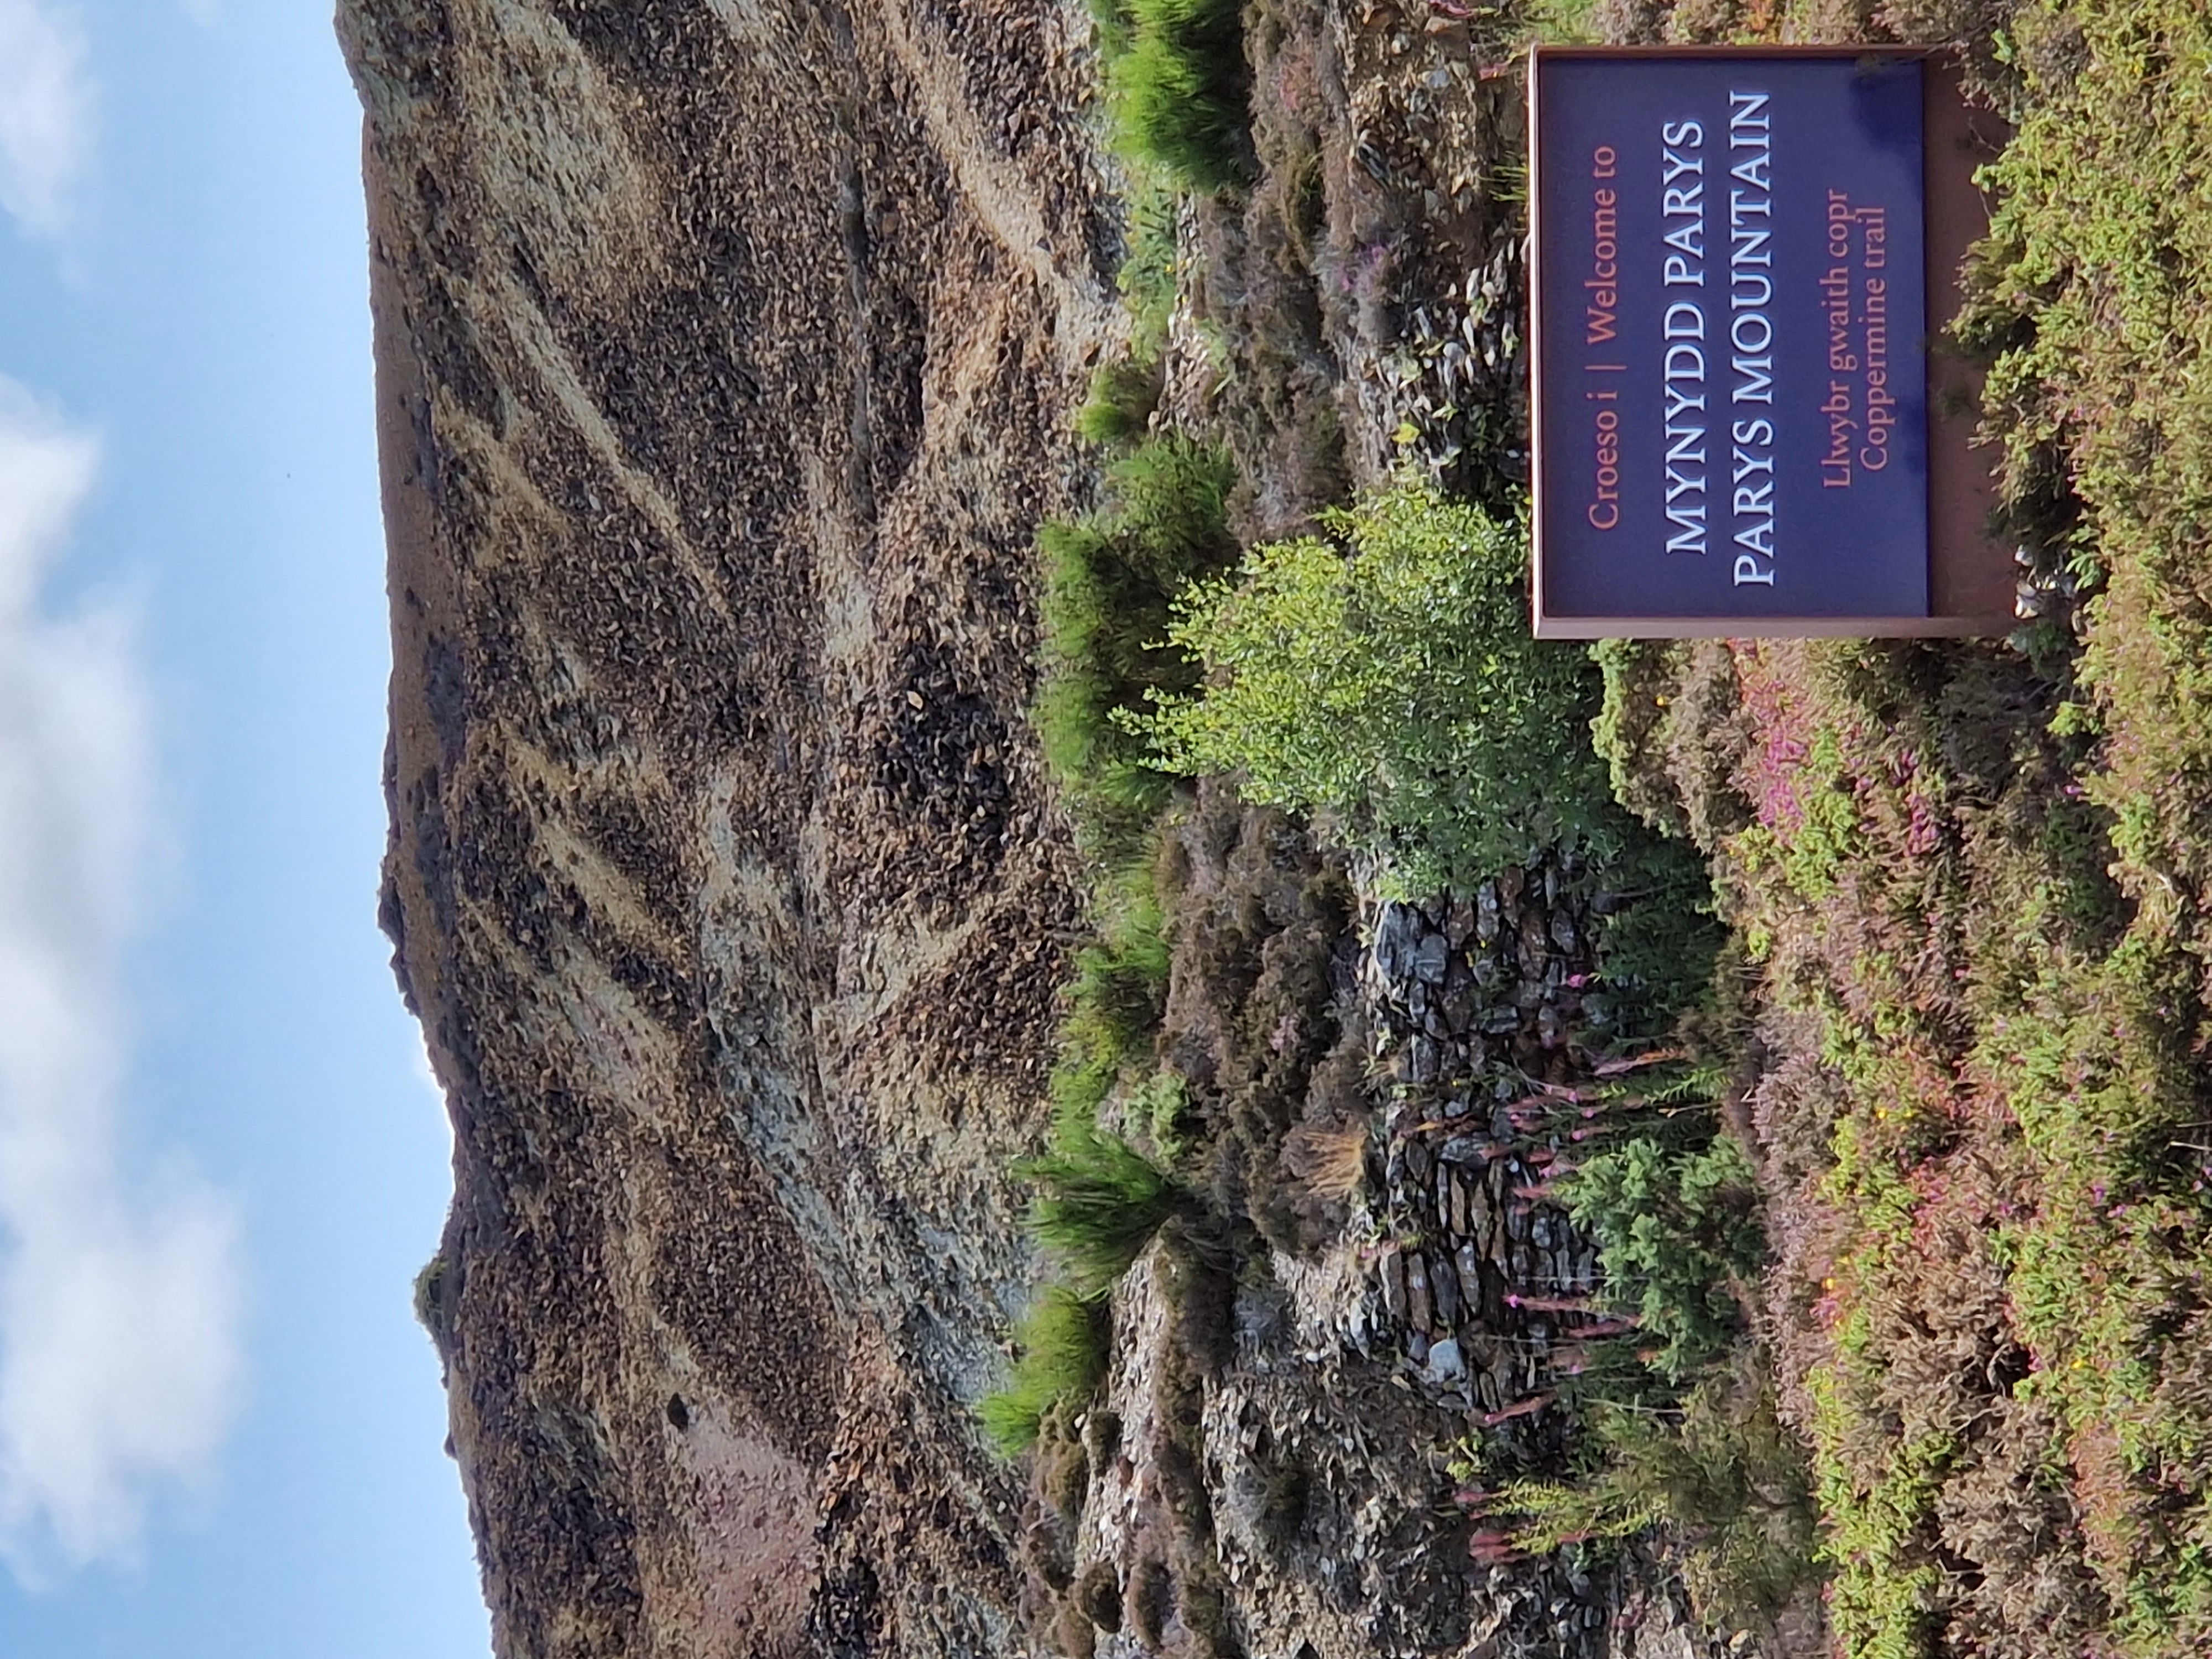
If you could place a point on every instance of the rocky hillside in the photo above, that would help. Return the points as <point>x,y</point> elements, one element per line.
<point>725,355</point>
<point>724,352</point>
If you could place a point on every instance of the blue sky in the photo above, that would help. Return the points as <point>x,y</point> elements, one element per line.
<point>221,1160</point>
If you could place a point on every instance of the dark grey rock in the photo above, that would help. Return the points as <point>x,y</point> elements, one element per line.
<point>1459,925</point>
<point>1486,913</point>
<point>1391,1270</point>
<point>1467,1268</point>
<point>1443,1285</point>
<point>1446,1364</point>
<point>1426,1059</point>
<point>1398,930</point>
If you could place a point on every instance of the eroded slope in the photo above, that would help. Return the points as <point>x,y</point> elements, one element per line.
<point>723,352</point>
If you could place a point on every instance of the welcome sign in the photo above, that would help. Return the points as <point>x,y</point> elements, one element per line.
<point>1732,311</point>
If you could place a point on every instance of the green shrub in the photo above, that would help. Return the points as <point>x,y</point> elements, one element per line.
<point>1678,1231</point>
<point>1181,91</point>
<point>1639,677</point>
<point>1663,949</point>
<point>1063,1344</point>
<point>1722,1474</point>
<point>1099,1202</point>
<point>1387,675</point>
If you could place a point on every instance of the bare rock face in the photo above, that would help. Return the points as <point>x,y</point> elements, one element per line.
<point>724,348</point>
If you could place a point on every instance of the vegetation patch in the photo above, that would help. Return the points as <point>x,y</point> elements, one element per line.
<point>1179,88</point>
<point>1384,674</point>
<point>1721,1473</point>
<point>1677,1229</point>
<point>1381,677</point>
<point>1061,1357</point>
<point>1100,1202</point>
<point>1110,583</point>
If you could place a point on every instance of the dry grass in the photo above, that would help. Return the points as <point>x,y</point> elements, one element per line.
<point>1329,1160</point>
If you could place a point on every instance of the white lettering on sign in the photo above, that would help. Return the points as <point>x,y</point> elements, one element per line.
<point>1751,334</point>
<point>1682,207</point>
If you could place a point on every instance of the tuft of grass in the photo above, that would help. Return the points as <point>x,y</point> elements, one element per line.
<point>1062,1347</point>
<point>1151,262</point>
<point>1108,585</point>
<point>1330,1161</point>
<point>1120,983</point>
<point>1170,501</point>
<point>1099,1203</point>
<point>1181,91</point>
<point>1162,1105</point>
<point>1122,394</point>
<point>434,1287</point>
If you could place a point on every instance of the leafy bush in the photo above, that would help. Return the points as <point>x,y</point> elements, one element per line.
<point>1678,1231</point>
<point>1063,1343</point>
<point>1099,1204</point>
<point>1181,91</point>
<point>1387,675</point>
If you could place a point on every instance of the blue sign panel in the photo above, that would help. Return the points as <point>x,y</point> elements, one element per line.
<point>1730,341</point>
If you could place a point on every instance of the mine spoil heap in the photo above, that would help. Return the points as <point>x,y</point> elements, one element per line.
<point>723,353</point>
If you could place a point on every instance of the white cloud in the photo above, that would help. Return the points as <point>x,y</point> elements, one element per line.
<point>118,1356</point>
<point>45,115</point>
